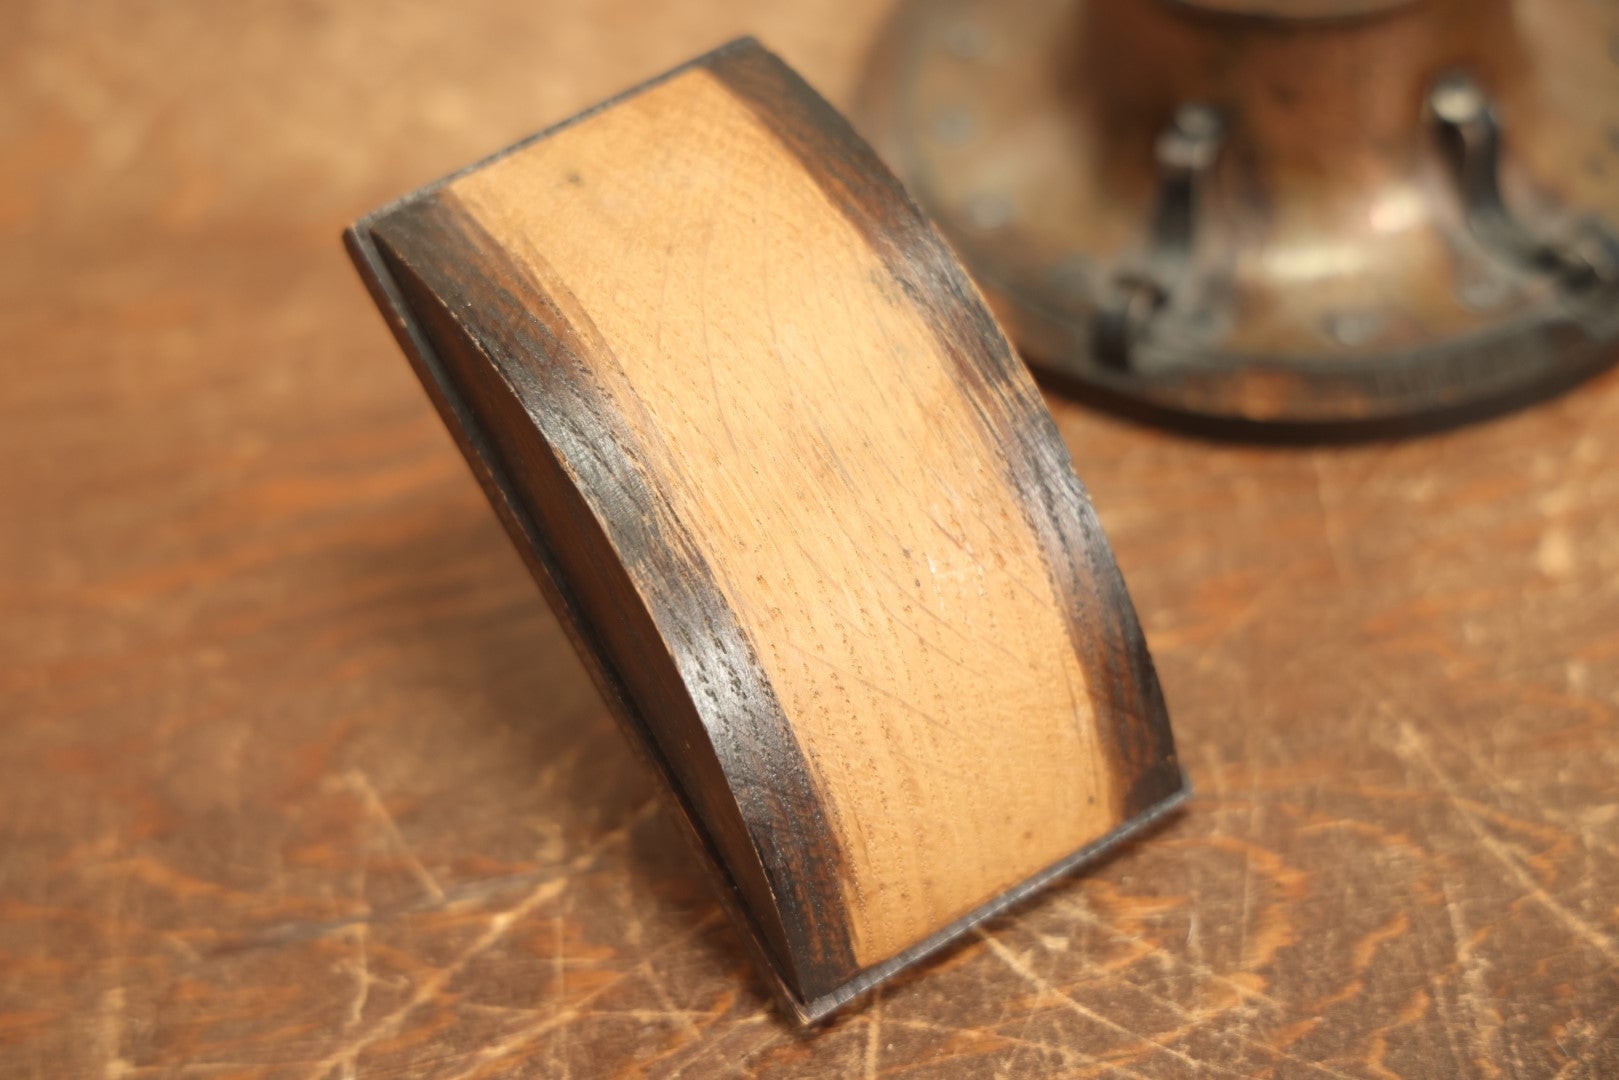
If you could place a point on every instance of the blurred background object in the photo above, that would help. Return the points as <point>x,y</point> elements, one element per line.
<point>1317,214</point>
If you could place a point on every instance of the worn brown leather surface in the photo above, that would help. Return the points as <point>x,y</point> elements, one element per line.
<point>299,778</point>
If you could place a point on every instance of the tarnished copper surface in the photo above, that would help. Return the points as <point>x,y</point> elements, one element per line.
<point>1333,273</point>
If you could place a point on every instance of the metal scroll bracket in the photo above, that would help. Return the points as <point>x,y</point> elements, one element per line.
<point>1582,258</point>
<point>1186,152</point>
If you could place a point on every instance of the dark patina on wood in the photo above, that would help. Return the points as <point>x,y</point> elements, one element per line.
<point>651,521</point>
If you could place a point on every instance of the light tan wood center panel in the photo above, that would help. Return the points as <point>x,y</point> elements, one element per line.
<point>813,441</point>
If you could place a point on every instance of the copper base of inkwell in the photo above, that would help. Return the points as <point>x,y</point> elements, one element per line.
<point>1316,214</point>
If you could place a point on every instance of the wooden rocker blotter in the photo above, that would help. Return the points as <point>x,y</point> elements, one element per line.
<point>797,502</point>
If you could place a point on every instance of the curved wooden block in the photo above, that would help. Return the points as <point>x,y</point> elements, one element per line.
<point>799,504</point>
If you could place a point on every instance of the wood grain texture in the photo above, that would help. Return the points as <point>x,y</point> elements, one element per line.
<point>297,778</point>
<point>800,503</point>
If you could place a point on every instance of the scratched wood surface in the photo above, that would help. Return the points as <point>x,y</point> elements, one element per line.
<point>299,778</point>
